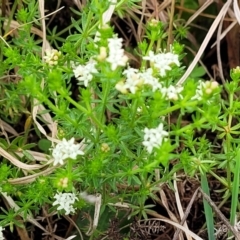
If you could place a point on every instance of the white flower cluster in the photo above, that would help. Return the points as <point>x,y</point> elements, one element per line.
<point>162,61</point>
<point>65,202</point>
<point>171,92</point>
<point>84,73</point>
<point>1,233</point>
<point>199,91</point>
<point>65,149</point>
<point>148,79</point>
<point>135,79</point>
<point>52,56</point>
<point>116,56</point>
<point>154,137</point>
<point>204,87</point>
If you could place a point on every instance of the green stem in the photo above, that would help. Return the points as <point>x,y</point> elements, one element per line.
<point>134,108</point>
<point>56,110</point>
<point>235,190</point>
<point>228,141</point>
<point>228,144</point>
<point>13,10</point>
<point>176,107</point>
<point>218,178</point>
<point>207,208</point>
<point>86,111</point>
<point>150,47</point>
<point>190,126</point>
<point>106,90</point>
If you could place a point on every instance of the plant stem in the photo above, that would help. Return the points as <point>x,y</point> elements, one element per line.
<point>86,111</point>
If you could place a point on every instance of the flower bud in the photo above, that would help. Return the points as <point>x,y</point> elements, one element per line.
<point>103,54</point>
<point>105,147</point>
<point>63,182</point>
<point>120,86</point>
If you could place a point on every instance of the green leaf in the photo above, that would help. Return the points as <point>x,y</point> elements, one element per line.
<point>198,72</point>
<point>207,208</point>
<point>136,180</point>
<point>28,155</point>
<point>235,189</point>
<point>74,37</point>
<point>44,145</point>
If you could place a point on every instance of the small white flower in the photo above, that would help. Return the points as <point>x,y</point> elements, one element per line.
<point>150,80</point>
<point>199,91</point>
<point>121,87</point>
<point>52,56</point>
<point>116,53</point>
<point>65,149</point>
<point>162,61</point>
<point>84,73</point>
<point>154,137</point>
<point>129,72</point>
<point>65,202</point>
<point>172,93</point>
<point>206,87</point>
<point>133,81</point>
<point>1,233</point>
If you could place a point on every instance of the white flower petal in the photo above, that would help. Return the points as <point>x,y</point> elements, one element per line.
<point>65,202</point>
<point>66,149</point>
<point>162,61</point>
<point>154,137</point>
<point>116,53</point>
<point>84,73</point>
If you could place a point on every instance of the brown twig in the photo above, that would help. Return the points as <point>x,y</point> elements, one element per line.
<point>3,8</point>
<point>220,215</point>
<point>170,29</point>
<point>175,237</point>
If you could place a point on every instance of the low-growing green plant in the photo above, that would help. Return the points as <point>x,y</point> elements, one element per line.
<point>109,134</point>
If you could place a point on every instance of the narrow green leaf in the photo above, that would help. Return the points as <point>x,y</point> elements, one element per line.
<point>207,208</point>
<point>235,187</point>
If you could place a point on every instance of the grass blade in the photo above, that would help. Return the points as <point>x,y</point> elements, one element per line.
<point>235,188</point>
<point>207,208</point>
